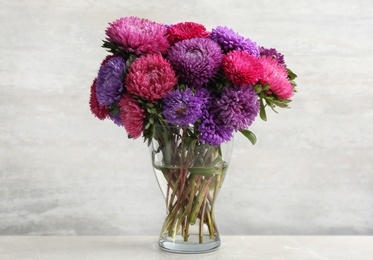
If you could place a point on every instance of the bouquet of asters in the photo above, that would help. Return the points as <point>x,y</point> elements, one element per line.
<point>199,87</point>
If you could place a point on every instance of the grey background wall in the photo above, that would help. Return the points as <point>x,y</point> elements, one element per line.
<point>63,172</point>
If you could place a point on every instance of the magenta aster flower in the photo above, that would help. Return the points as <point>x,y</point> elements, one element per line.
<point>101,112</point>
<point>109,84</point>
<point>150,77</point>
<point>138,36</point>
<point>230,41</point>
<point>187,30</point>
<point>237,107</point>
<point>276,76</point>
<point>132,116</point>
<point>196,60</point>
<point>182,107</point>
<point>241,68</point>
<point>274,54</point>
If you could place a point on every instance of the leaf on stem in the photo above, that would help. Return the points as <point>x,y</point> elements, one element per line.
<point>262,112</point>
<point>249,135</point>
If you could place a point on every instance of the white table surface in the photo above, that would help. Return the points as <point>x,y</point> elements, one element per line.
<point>146,247</point>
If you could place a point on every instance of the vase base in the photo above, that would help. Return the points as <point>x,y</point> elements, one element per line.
<point>177,245</point>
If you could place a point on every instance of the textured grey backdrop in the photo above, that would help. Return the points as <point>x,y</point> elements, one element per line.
<point>63,172</point>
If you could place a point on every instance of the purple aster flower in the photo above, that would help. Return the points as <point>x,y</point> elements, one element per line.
<point>109,84</point>
<point>274,54</point>
<point>205,97</point>
<point>182,107</point>
<point>237,107</point>
<point>196,60</point>
<point>116,119</point>
<point>214,133</point>
<point>229,40</point>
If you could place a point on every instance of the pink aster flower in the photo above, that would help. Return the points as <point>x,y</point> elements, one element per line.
<point>150,77</point>
<point>187,30</point>
<point>139,36</point>
<point>276,76</point>
<point>101,112</point>
<point>241,68</point>
<point>132,116</point>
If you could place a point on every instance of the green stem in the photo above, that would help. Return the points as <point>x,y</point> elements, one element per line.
<point>210,223</point>
<point>201,196</point>
<point>192,184</point>
<point>180,198</point>
<point>201,222</point>
<point>217,179</point>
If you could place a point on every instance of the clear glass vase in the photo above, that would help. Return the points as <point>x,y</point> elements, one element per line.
<point>190,175</point>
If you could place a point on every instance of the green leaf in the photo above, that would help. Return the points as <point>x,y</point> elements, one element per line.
<point>291,74</point>
<point>249,135</point>
<point>283,103</point>
<point>114,109</point>
<point>258,88</point>
<point>262,112</point>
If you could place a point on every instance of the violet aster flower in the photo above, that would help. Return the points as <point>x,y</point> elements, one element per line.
<point>274,54</point>
<point>195,60</point>
<point>116,119</point>
<point>213,132</point>
<point>139,36</point>
<point>205,97</point>
<point>109,85</point>
<point>182,107</point>
<point>237,107</point>
<point>229,40</point>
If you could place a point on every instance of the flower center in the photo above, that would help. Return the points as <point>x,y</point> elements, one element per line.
<point>181,110</point>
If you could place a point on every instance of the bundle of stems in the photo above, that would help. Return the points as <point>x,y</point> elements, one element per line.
<point>194,173</point>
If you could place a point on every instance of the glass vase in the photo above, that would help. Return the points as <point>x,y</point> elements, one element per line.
<point>190,175</point>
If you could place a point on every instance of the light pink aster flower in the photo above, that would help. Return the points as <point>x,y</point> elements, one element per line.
<point>132,116</point>
<point>276,76</point>
<point>150,77</point>
<point>138,36</point>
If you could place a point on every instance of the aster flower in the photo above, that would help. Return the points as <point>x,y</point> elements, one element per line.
<point>109,80</point>
<point>182,107</point>
<point>237,107</point>
<point>213,132</point>
<point>187,30</point>
<point>276,76</point>
<point>138,36</point>
<point>241,68</point>
<point>205,98</point>
<point>229,40</point>
<point>274,54</point>
<point>101,112</point>
<point>107,58</point>
<point>132,116</point>
<point>196,60</point>
<point>116,118</point>
<point>184,75</point>
<point>150,77</point>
